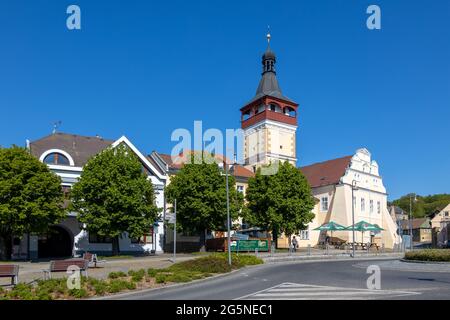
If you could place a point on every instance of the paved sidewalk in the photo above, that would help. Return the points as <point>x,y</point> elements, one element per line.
<point>322,255</point>
<point>30,271</point>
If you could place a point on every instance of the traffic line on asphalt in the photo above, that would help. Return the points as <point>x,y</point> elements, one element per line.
<point>296,291</point>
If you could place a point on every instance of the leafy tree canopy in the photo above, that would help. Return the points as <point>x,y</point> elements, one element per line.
<point>200,190</point>
<point>31,197</point>
<point>424,205</point>
<point>282,202</point>
<point>114,195</point>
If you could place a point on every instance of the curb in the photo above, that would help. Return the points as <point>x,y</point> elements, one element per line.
<point>426,262</point>
<point>327,258</point>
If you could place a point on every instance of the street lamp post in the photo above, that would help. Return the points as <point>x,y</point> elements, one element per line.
<point>175,232</point>
<point>411,245</point>
<point>228,215</point>
<point>354,187</point>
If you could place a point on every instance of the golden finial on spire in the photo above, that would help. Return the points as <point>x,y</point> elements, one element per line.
<point>268,34</point>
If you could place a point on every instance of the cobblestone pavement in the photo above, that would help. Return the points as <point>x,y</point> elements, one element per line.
<point>30,271</point>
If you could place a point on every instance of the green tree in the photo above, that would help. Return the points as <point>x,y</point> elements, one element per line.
<point>281,203</point>
<point>114,196</point>
<point>423,205</point>
<point>200,191</point>
<point>31,197</point>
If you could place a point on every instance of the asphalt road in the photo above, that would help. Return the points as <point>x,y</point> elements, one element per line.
<point>310,280</point>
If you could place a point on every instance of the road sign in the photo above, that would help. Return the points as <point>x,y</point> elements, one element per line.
<point>250,245</point>
<point>170,217</point>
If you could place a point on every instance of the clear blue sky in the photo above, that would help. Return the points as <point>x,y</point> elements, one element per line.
<point>145,68</point>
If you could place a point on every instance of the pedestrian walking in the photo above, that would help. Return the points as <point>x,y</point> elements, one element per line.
<point>294,244</point>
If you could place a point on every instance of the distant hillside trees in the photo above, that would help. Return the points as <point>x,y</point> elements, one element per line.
<point>424,205</point>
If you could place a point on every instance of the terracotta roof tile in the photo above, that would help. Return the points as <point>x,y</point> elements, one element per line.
<point>326,173</point>
<point>240,171</point>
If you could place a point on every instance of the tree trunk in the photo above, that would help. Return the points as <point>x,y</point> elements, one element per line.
<point>275,238</point>
<point>203,241</point>
<point>115,246</point>
<point>5,247</point>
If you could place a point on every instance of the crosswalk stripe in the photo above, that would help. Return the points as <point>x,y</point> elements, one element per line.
<point>294,291</point>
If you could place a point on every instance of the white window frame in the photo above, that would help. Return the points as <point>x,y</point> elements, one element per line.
<point>304,234</point>
<point>378,207</point>
<point>363,205</point>
<point>371,205</point>
<point>324,200</point>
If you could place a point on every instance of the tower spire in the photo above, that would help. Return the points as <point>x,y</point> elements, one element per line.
<point>268,35</point>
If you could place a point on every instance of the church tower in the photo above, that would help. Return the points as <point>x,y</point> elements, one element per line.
<point>269,120</point>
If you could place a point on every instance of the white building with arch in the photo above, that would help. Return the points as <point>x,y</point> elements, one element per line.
<point>65,155</point>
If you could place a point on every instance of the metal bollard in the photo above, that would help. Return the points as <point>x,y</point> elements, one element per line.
<point>309,249</point>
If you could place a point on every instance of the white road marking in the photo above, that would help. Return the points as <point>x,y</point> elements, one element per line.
<point>296,291</point>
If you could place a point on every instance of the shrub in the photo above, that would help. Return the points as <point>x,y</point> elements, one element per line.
<point>21,291</point>
<point>243,260</point>
<point>152,272</point>
<point>118,285</point>
<point>441,255</point>
<point>209,264</point>
<point>137,276</point>
<point>116,275</point>
<point>216,263</point>
<point>99,286</point>
<point>160,278</point>
<point>78,293</point>
<point>58,286</point>
<point>179,277</point>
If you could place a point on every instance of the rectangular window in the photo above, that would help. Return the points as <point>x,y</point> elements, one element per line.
<point>363,204</point>
<point>240,189</point>
<point>445,213</point>
<point>324,202</point>
<point>145,239</point>
<point>371,206</point>
<point>95,238</point>
<point>304,235</point>
<point>378,207</point>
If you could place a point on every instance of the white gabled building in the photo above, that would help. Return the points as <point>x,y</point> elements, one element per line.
<point>331,183</point>
<point>65,155</point>
<point>270,123</point>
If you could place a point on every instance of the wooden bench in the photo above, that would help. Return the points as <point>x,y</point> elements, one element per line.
<point>10,271</point>
<point>63,266</point>
<point>92,259</point>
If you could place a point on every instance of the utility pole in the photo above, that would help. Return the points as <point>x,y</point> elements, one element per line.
<point>175,231</point>
<point>411,244</point>
<point>353,216</point>
<point>228,215</point>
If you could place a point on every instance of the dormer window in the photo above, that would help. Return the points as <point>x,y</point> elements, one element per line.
<point>57,158</point>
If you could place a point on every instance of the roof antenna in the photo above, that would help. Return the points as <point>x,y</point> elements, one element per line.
<point>56,125</point>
